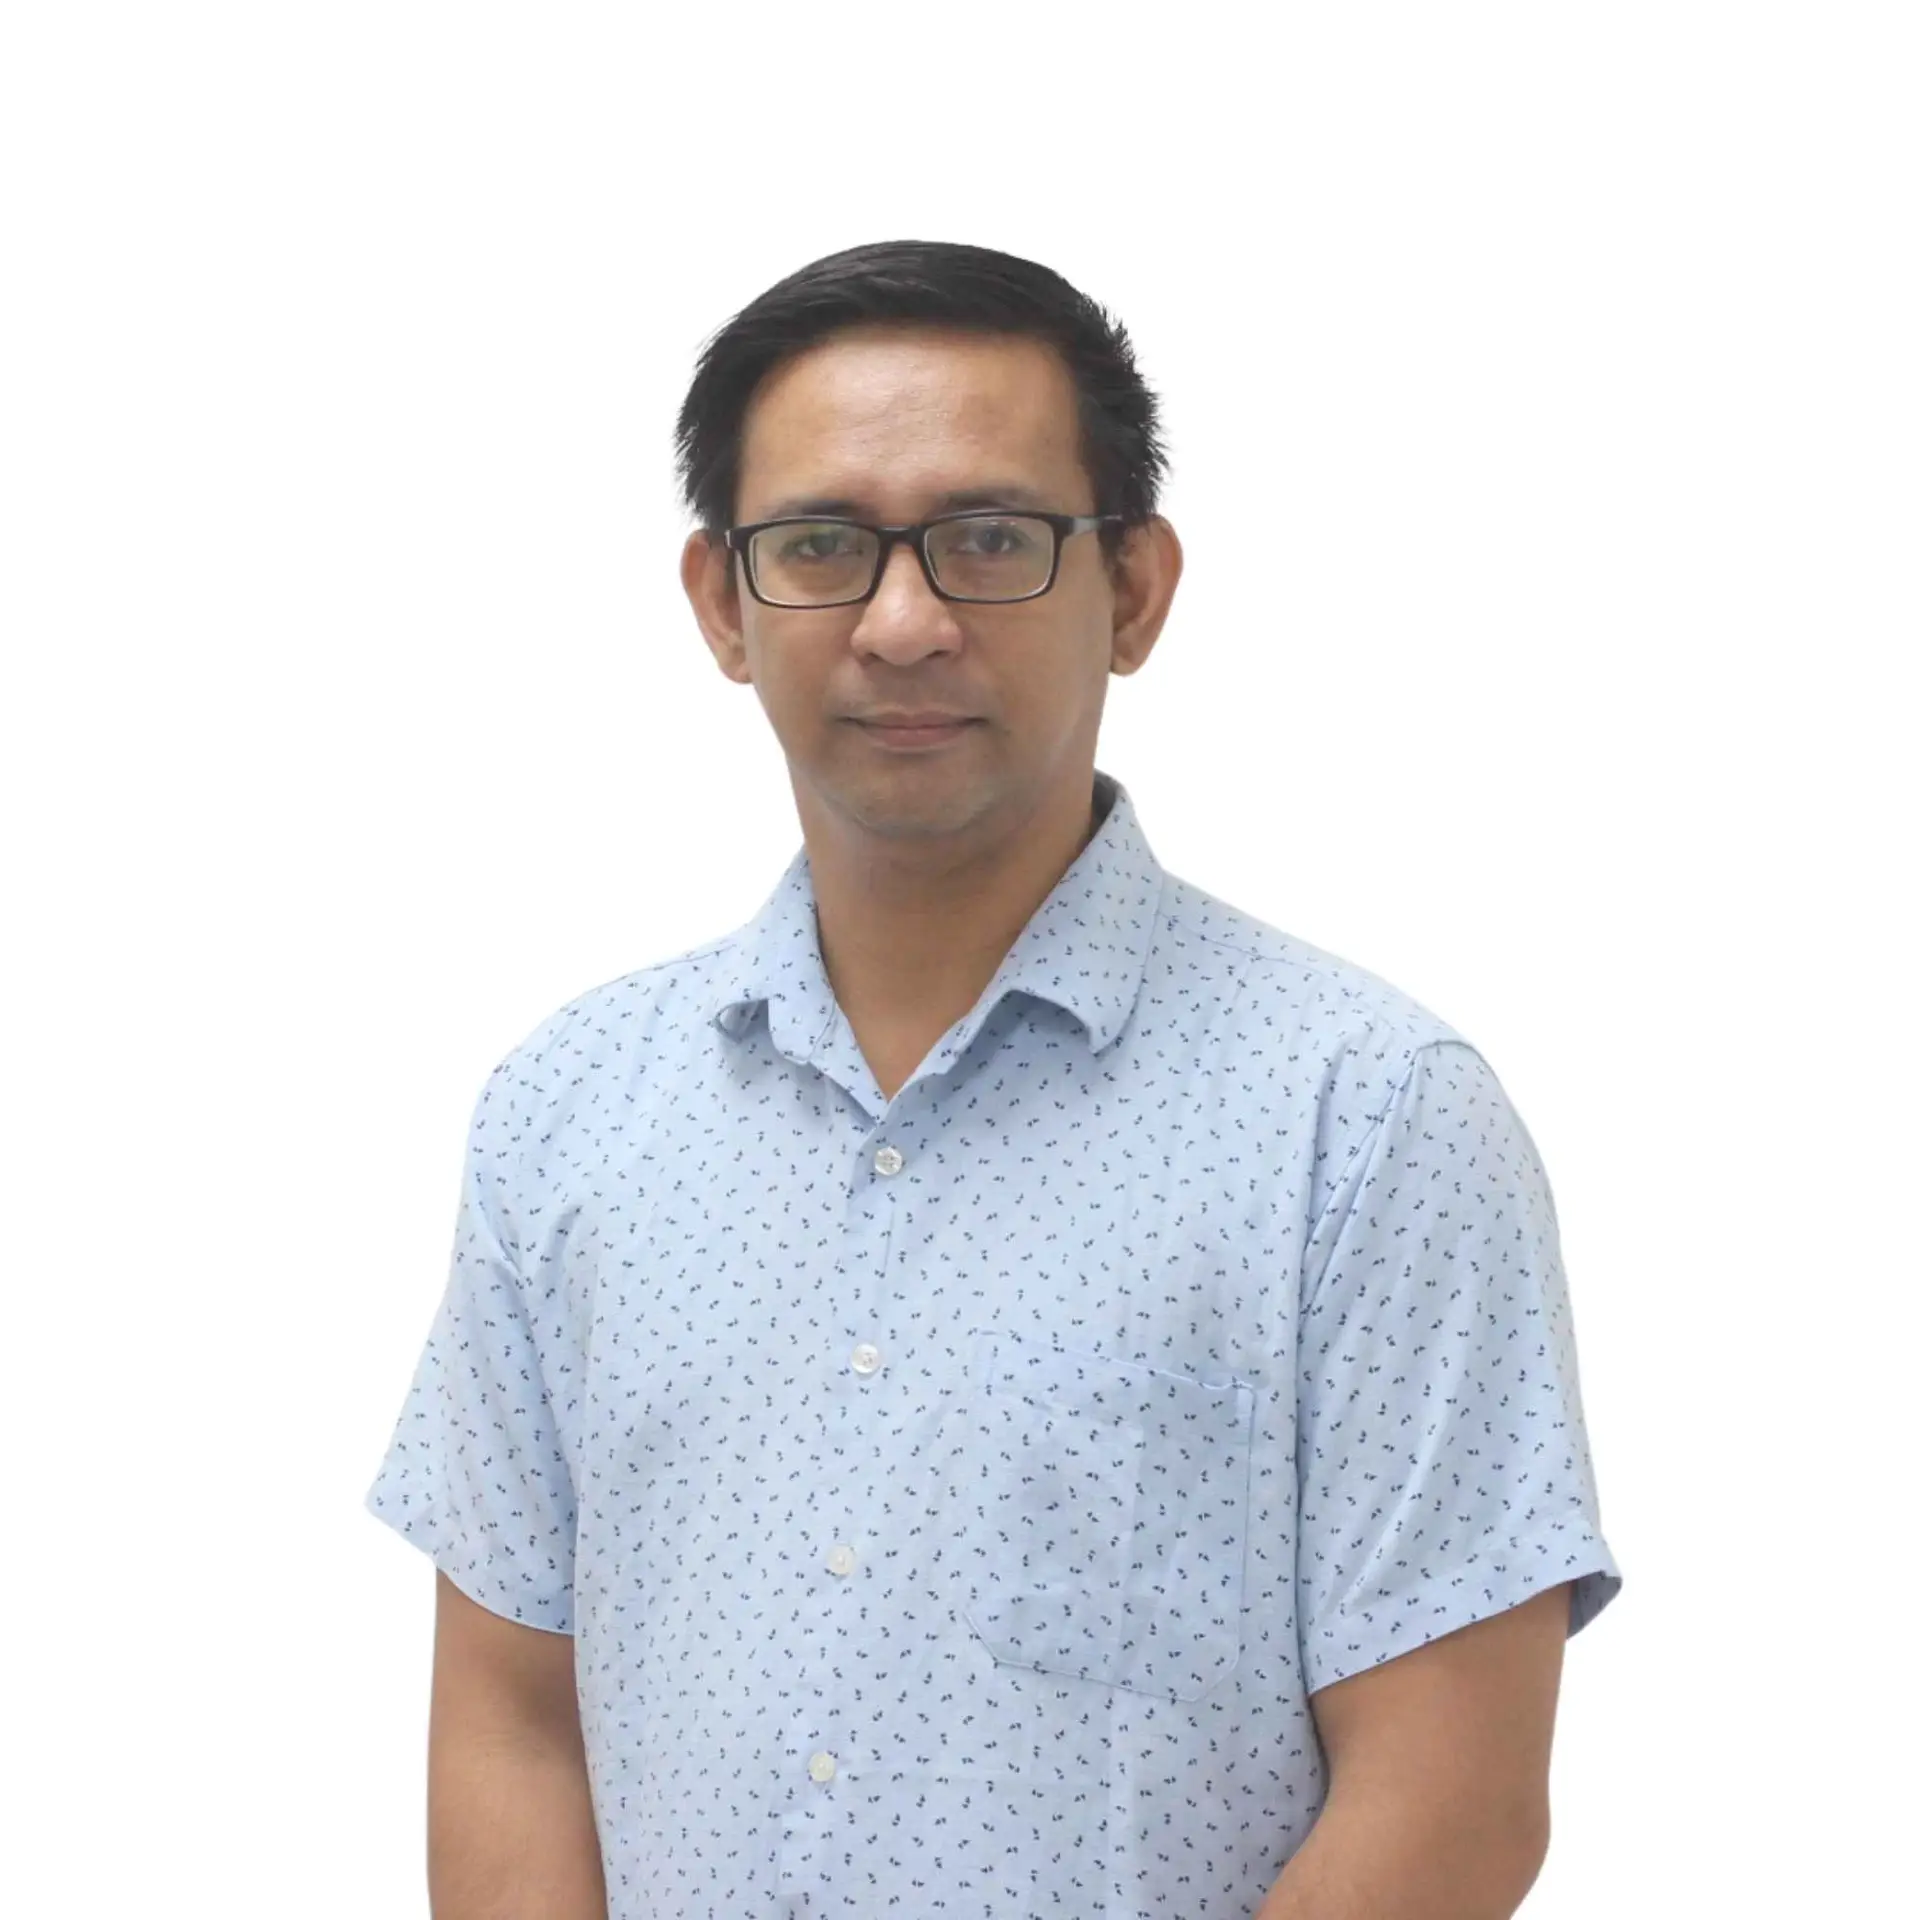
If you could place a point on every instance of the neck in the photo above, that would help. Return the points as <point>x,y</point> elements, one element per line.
<point>912,930</point>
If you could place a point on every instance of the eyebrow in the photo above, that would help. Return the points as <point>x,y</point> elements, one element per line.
<point>1012,494</point>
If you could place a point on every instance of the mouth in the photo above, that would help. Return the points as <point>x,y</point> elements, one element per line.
<point>928,735</point>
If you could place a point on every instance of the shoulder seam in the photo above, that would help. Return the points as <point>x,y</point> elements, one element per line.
<point>1306,956</point>
<point>1360,1162</point>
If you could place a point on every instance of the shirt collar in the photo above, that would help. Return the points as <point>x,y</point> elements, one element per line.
<point>1084,949</point>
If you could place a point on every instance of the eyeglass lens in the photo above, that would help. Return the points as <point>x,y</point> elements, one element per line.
<point>814,563</point>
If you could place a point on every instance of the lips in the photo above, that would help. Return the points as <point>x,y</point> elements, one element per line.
<point>908,735</point>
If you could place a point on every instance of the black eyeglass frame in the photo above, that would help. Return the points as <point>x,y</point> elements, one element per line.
<point>1064,525</point>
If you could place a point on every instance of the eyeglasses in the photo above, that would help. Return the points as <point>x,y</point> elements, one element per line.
<point>981,558</point>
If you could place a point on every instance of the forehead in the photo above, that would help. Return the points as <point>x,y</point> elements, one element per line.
<point>894,415</point>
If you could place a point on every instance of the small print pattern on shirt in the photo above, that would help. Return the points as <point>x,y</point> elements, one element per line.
<point>955,1500</point>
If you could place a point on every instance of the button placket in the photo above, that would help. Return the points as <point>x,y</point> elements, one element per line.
<point>865,1360</point>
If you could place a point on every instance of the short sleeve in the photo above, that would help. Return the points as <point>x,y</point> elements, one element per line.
<point>475,1475</point>
<point>1444,1468</point>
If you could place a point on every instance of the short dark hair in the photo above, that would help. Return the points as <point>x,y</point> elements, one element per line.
<point>941,284</point>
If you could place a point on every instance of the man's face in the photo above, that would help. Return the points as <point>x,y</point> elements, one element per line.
<point>891,420</point>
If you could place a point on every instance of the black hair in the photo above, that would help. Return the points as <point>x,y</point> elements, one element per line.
<point>941,284</point>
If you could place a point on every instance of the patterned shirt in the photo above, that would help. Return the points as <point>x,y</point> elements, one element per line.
<point>954,1499</point>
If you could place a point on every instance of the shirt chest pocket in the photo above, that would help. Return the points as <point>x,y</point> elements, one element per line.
<point>1102,1514</point>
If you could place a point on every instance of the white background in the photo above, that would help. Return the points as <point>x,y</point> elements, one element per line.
<point>1540,387</point>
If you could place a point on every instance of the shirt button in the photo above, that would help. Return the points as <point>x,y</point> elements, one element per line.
<point>840,1560</point>
<point>888,1160</point>
<point>865,1358</point>
<point>821,1766</point>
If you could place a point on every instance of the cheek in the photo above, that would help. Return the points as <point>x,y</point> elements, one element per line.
<point>1074,668</point>
<point>790,680</point>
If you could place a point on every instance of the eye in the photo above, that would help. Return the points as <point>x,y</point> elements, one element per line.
<point>800,544</point>
<point>995,538</point>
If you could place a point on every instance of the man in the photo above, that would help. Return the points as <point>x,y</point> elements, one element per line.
<point>1006,1386</point>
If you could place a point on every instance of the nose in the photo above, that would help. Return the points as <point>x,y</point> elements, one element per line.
<point>905,618</point>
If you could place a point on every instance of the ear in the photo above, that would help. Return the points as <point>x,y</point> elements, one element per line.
<point>707,574</point>
<point>1147,571</point>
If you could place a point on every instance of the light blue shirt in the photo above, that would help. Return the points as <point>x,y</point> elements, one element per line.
<point>955,1499</point>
